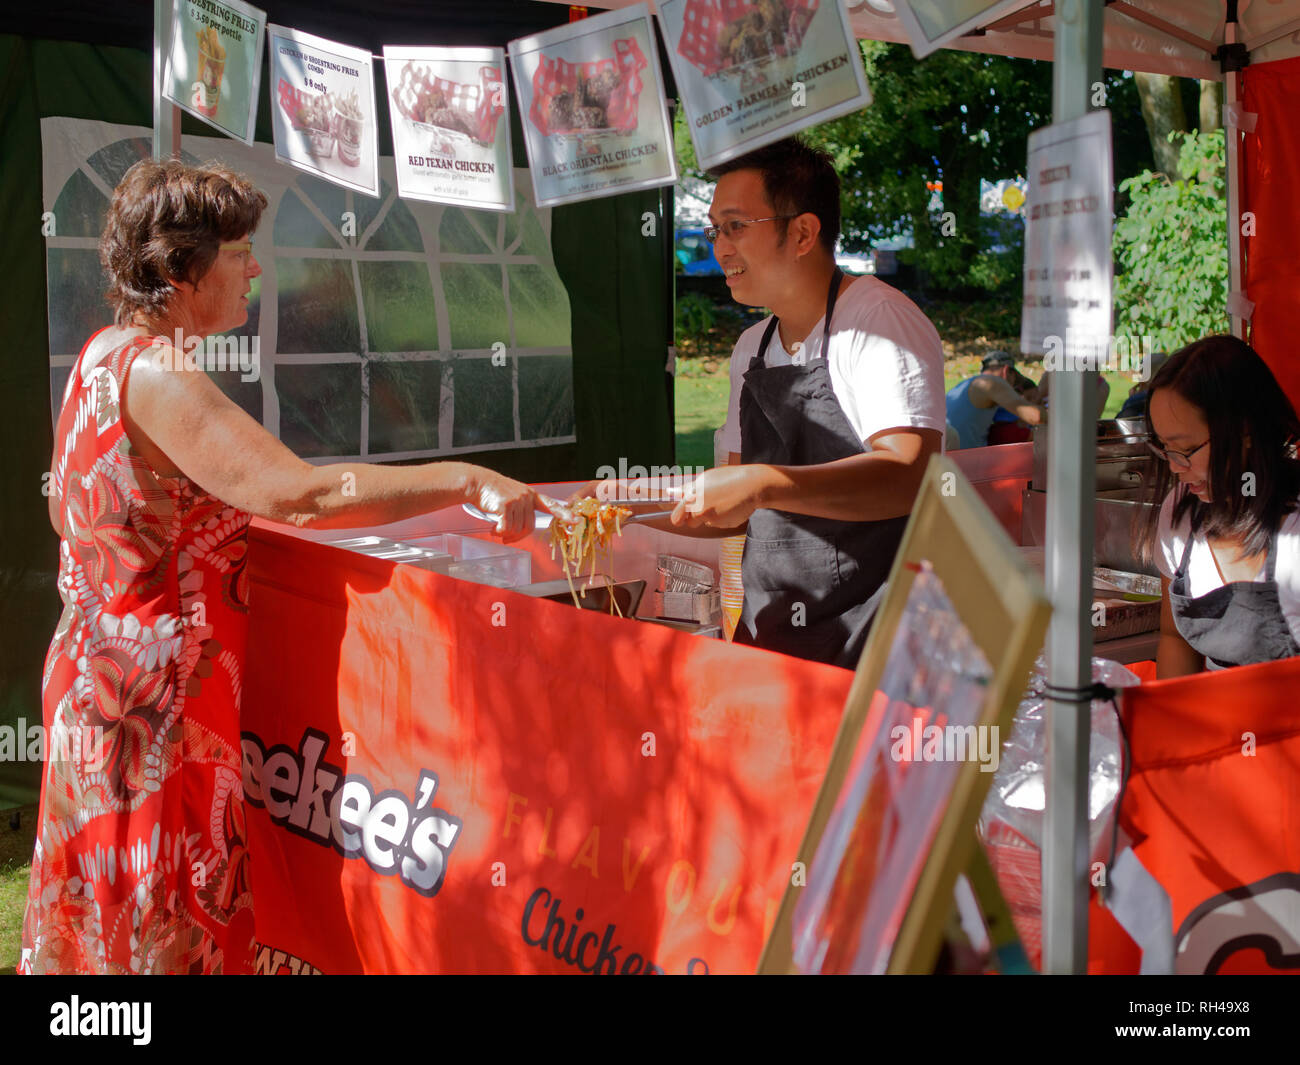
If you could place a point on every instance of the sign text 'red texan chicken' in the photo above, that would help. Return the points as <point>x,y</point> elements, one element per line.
<point>451,131</point>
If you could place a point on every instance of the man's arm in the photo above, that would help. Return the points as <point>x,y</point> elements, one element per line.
<point>998,393</point>
<point>874,486</point>
<point>666,523</point>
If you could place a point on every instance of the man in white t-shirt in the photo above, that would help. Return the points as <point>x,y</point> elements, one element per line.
<point>825,453</point>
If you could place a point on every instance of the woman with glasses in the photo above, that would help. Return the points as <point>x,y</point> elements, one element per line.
<point>141,861</point>
<point>1226,538</point>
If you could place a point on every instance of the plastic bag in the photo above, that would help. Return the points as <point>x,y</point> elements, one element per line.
<point>1011,822</point>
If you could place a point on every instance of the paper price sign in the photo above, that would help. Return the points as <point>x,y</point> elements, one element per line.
<point>323,109</point>
<point>451,129</point>
<point>1068,219</point>
<point>214,65</point>
<point>752,72</point>
<point>591,101</point>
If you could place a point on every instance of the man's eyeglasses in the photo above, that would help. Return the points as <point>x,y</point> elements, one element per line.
<point>243,247</point>
<point>733,227</point>
<point>1182,459</point>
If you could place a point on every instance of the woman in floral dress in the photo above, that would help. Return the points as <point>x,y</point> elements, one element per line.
<point>141,862</point>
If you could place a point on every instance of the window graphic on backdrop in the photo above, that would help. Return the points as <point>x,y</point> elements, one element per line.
<point>385,328</point>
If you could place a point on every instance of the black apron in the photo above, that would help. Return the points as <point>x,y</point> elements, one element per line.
<point>1238,624</point>
<point>812,585</point>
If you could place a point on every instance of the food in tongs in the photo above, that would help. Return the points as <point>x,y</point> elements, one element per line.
<point>585,539</point>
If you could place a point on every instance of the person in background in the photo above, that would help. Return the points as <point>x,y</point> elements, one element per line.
<point>971,404</point>
<point>155,477</point>
<point>1006,427</point>
<point>1226,535</point>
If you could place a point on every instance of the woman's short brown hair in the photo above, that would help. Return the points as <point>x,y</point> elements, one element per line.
<point>167,220</point>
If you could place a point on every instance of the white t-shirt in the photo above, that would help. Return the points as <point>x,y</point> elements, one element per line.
<point>886,362</point>
<point>1203,575</point>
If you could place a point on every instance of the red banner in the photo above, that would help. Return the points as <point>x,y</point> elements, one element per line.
<point>1271,155</point>
<point>450,777</point>
<point>1213,805</point>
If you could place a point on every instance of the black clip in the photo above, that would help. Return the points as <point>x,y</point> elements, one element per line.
<point>1232,57</point>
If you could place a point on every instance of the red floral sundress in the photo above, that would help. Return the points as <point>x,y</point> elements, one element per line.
<point>141,862</point>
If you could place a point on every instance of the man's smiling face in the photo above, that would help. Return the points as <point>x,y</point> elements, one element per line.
<point>754,260</point>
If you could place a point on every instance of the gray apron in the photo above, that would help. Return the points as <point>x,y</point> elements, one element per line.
<point>812,585</point>
<point>1238,624</point>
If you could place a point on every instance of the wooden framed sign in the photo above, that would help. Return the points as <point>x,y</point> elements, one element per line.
<point>934,693</point>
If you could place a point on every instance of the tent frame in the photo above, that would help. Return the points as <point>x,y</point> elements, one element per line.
<point>1077,66</point>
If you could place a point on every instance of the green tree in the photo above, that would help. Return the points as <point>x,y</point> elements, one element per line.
<point>1171,248</point>
<point>1166,102</point>
<point>953,117</point>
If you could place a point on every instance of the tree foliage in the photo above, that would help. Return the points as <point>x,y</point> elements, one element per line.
<point>954,117</point>
<point>1171,248</point>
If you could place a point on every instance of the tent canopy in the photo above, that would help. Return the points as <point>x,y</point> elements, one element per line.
<point>1156,36</point>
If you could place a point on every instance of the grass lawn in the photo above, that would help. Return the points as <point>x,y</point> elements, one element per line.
<point>703,386</point>
<point>15,867</point>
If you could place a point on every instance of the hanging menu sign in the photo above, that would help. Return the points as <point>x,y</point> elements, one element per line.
<point>451,132</point>
<point>214,65</point>
<point>323,109</point>
<point>1068,219</point>
<point>591,101</point>
<point>751,72</point>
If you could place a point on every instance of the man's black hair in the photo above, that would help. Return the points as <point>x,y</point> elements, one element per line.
<point>798,179</point>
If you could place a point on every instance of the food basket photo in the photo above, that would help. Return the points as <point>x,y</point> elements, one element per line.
<point>311,117</point>
<point>444,115</point>
<point>753,42</point>
<point>588,102</point>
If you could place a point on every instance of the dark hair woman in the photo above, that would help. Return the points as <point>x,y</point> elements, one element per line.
<point>1227,536</point>
<point>141,858</point>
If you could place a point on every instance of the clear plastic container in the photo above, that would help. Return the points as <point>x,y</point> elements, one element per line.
<point>480,561</point>
<point>396,551</point>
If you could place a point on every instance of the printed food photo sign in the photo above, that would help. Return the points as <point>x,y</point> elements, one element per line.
<point>591,100</point>
<point>451,132</point>
<point>214,65</point>
<point>323,109</point>
<point>751,72</point>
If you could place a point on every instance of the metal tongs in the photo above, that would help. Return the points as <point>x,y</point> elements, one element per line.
<point>662,508</point>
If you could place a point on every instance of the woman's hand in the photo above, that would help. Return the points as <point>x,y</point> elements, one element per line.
<point>511,502</point>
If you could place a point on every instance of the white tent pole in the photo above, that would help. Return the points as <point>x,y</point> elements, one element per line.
<point>1232,164</point>
<point>1071,504</point>
<point>166,115</point>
